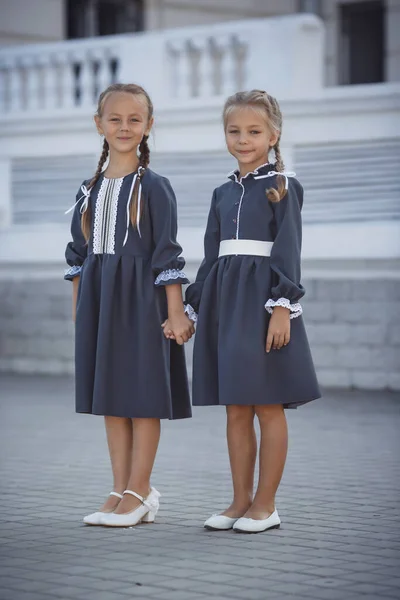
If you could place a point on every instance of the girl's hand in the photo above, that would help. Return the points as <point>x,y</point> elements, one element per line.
<point>167,330</point>
<point>278,329</point>
<point>178,327</point>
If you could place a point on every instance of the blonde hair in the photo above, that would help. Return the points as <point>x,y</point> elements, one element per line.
<point>144,157</point>
<point>268,107</point>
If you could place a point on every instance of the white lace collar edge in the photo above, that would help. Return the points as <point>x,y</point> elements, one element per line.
<point>235,172</point>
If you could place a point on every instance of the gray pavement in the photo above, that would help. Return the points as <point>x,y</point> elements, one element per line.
<point>339,503</point>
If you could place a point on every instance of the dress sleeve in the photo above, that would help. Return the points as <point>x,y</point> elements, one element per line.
<point>167,263</point>
<point>76,251</point>
<point>211,250</point>
<point>285,254</point>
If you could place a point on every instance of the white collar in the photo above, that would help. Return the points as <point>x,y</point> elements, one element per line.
<point>255,172</point>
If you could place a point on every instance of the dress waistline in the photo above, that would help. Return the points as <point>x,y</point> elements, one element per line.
<point>243,247</point>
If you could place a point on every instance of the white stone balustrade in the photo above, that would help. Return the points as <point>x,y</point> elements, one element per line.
<point>283,54</point>
<point>44,77</point>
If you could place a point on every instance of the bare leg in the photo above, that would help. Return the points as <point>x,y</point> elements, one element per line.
<point>242,446</point>
<point>273,451</point>
<point>146,436</point>
<point>119,438</point>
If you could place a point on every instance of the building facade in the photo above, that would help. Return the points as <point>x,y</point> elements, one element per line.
<point>362,42</point>
<point>343,141</point>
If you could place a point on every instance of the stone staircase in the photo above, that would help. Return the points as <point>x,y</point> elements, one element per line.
<point>350,182</point>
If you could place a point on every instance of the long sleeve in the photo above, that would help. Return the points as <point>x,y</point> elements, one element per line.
<point>211,250</point>
<point>285,255</point>
<point>76,251</point>
<point>167,263</point>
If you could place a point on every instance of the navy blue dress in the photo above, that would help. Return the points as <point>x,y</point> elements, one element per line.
<point>125,367</point>
<point>234,297</point>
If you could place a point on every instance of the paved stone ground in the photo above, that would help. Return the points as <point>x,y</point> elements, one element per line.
<point>339,502</point>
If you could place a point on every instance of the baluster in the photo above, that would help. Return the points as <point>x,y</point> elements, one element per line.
<point>51,81</point>
<point>86,80</point>
<point>182,69</point>
<point>174,53</point>
<point>102,73</point>
<point>187,71</point>
<point>3,87</point>
<point>205,68</point>
<point>216,53</point>
<point>68,86</point>
<point>16,87</point>
<point>192,55</point>
<point>32,84</point>
<point>40,65</point>
<point>239,48</point>
<point>227,65</point>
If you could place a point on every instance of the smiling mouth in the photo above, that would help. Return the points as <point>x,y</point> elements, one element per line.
<point>124,138</point>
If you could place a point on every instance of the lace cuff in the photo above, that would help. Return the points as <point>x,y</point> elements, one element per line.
<point>191,313</point>
<point>170,276</point>
<point>295,309</point>
<point>72,272</point>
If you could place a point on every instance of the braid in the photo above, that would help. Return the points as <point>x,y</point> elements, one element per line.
<point>279,164</point>
<point>275,195</point>
<point>144,160</point>
<point>86,216</point>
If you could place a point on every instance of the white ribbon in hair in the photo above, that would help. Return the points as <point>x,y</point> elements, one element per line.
<point>128,205</point>
<point>85,203</point>
<point>285,174</point>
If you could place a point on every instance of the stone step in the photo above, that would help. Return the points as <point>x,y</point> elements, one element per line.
<point>354,181</point>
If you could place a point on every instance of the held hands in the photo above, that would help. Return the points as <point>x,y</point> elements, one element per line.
<point>278,329</point>
<point>178,327</point>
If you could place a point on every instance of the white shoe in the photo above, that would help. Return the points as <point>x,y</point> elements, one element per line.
<point>219,523</point>
<point>95,518</point>
<point>145,513</point>
<point>245,525</point>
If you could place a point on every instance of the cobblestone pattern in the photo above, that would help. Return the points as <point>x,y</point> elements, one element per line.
<point>338,502</point>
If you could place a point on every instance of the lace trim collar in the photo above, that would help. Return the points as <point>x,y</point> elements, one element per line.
<point>235,175</point>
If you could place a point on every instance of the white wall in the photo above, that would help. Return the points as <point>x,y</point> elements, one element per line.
<point>29,21</point>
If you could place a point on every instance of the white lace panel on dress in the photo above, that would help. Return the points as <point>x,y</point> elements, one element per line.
<point>105,216</point>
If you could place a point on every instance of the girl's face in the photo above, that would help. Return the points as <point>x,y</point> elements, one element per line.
<point>249,138</point>
<point>124,121</point>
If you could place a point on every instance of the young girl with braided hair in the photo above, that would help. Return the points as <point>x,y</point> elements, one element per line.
<point>251,352</point>
<point>127,274</point>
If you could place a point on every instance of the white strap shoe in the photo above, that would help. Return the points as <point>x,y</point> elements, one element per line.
<point>95,518</point>
<point>145,513</point>
<point>219,523</point>
<point>245,525</point>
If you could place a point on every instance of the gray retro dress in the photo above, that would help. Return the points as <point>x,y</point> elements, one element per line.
<point>251,264</point>
<point>125,367</point>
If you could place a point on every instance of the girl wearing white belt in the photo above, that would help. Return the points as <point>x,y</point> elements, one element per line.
<point>251,351</point>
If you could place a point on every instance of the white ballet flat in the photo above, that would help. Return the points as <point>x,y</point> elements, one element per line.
<point>219,523</point>
<point>95,518</point>
<point>245,525</point>
<point>145,513</point>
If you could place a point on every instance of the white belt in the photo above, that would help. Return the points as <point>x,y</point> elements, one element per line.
<point>249,247</point>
